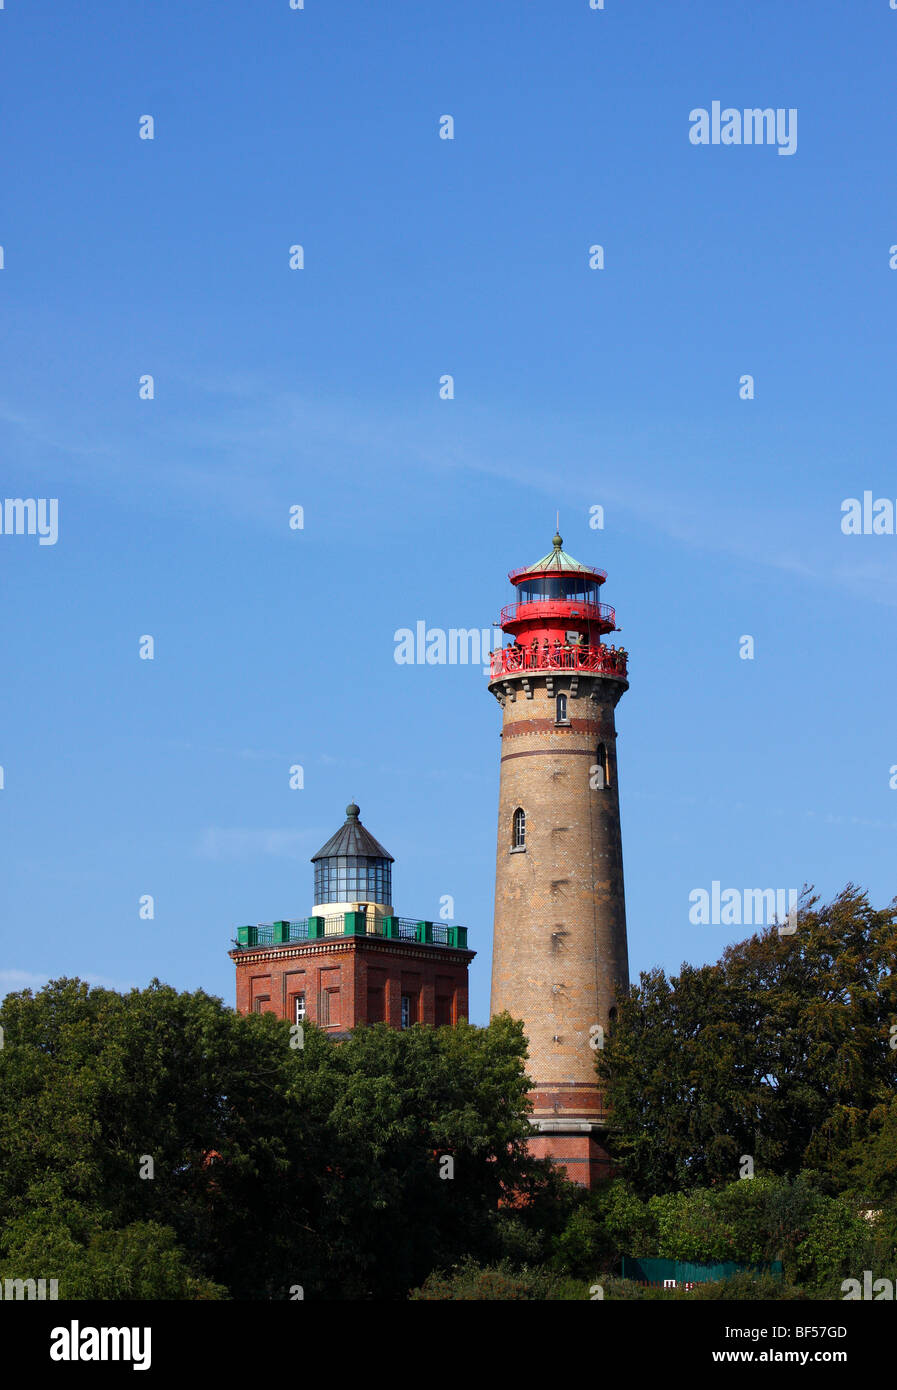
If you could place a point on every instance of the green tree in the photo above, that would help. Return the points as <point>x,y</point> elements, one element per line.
<point>426,1133</point>
<point>838,1245</point>
<point>691,1226</point>
<point>143,1261</point>
<point>250,1165</point>
<point>779,1052</point>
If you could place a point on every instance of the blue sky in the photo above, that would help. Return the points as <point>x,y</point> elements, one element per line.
<point>320,387</point>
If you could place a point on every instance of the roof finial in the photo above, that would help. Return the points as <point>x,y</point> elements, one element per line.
<point>352,811</point>
<point>558,542</point>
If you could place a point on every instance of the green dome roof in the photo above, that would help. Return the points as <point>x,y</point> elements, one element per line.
<point>352,839</point>
<point>558,560</point>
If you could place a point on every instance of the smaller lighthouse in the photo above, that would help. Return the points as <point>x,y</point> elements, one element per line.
<point>560,951</point>
<point>353,960</point>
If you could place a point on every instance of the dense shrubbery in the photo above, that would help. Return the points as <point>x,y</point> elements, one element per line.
<point>275,1167</point>
<point>820,1239</point>
<point>504,1281</point>
<point>738,1286</point>
<point>780,1054</point>
<point>272,1166</point>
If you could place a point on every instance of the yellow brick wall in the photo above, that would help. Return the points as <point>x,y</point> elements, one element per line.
<point>560,920</point>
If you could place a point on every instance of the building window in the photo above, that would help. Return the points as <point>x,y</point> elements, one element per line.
<point>444,1011</point>
<point>599,777</point>
<point>260,1001</point>
<point>561,705</point>
<point>329,1015</point>
<point>409,1010</point>
<point>299,1011</point>
<point>519,835</point>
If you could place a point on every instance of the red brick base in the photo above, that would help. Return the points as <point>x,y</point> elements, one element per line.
<point>583,1158</point>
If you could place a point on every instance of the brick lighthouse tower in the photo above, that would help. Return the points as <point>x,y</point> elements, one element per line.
<point>560,920</point>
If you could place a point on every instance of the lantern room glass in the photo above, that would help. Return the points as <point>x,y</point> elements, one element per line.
<point>567,588</point>
<point>346,878</point>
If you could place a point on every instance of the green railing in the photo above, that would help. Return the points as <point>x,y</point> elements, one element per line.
<point>353,924</point>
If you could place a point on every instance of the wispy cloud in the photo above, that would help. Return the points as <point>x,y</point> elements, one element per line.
<point>218,843</point>
<point>725,805</point>
<point>241,427</point>
<point>13,980</point>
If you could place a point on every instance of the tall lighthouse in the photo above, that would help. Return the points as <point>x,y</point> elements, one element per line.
<point>560,919</point>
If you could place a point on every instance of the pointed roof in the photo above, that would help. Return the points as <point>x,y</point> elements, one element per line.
<point>556,561</point>
<point>352,838</point>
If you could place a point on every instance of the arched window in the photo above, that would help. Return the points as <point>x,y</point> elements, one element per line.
<point>561,705</point>
<point>519,828</point>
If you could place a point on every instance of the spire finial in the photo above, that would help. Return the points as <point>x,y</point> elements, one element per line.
<point>352,811</point>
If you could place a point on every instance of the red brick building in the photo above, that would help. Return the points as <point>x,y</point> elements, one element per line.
<point>353,960</point>
<point>560,950</point>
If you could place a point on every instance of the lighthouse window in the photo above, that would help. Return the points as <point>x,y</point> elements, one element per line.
<point>519,828</point>
<point>561,717</point>
<point>600,777</point>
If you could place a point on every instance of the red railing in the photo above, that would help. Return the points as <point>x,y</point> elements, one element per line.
<point>609,661</point>
<point>559,608</point>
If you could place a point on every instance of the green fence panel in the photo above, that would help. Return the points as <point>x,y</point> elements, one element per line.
<point>685,1272</point>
